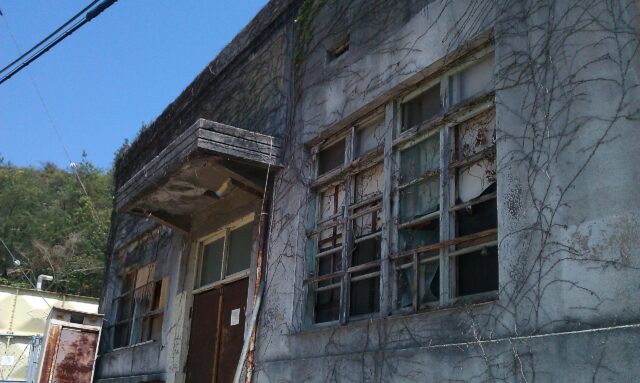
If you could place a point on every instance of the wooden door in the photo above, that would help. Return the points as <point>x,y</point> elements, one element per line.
<point>217,332</point>
<point>234,301</point>
<point>204,336</point>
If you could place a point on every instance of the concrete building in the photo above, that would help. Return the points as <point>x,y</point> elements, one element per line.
<point>388,191</point>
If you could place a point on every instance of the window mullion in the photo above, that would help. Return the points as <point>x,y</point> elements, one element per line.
<point>347,241</point>
<point>445,216</point>
<point>387,242</point>
<point>225,254</point>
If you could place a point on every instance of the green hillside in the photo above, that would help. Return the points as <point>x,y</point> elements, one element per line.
<point>51,227</point>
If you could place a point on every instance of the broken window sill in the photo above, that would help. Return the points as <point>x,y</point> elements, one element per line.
<point>133,345</point>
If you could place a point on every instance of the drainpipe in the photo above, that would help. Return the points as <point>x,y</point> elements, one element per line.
<point>248,348</point>
<point>41,278</point>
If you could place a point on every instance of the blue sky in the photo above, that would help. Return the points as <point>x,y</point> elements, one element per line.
<point>102,82</point>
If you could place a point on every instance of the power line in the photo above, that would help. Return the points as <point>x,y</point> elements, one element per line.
<point>90,15</point>
<point>49,36</point>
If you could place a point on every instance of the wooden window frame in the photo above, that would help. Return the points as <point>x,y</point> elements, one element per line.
<point>225,234</point>
<point>345,176</point>
<point>135,320</point>
<point>396,139</point>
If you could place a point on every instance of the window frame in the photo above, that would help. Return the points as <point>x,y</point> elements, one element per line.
<point>223,232</point>
<point>354,164</point>
<point>135,321</point>
<point>454,113</point>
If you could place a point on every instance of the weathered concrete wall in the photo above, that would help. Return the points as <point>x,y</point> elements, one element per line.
<point>567,116</point>
<point>567,81</point>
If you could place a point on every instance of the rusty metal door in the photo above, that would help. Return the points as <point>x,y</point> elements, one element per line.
<point>204,336</point>
<point>234,301</point>
<point>75,356</point>
<point>217,331</point>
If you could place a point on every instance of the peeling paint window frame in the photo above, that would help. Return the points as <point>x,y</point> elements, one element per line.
<point>342,221</point>
<point>445,252</point>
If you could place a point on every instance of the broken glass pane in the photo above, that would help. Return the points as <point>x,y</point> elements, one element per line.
<point>327,305</point>
<point>240,242</point>
<point>421,108</point>
<point>476,218</point>
<point>404,282</point>
<point>419,199</point>
<point>478,271</point>
<point>364,295</point>
<point>473,180</point>
<point>211,267</point>
<point>331,157</point>
<point>429,278</point>
<point>420,159</point>
<point>331,203</point>
<point>365,251</point>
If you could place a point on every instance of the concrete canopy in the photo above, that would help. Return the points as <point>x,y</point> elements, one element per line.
<point>198,170</point>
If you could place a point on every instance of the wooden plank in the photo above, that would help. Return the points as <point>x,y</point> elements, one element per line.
<point>231,151</point>
<point>237,142</point>
<point>240,133</point>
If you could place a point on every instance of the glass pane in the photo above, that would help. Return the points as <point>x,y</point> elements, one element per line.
<point>420,159</point>
<point>331,157</point>
<point>421,108</point>
<point>429,279</point>
<point>475,80</point>
<point>404,283</point>
<point>370,137</point>
<point>364,295</point>
<point>212,262</point>
<point>419,199</point>
<point>240,243</point>
<point>478,271</point>
<point>424,234</point>
<point>327,305</point>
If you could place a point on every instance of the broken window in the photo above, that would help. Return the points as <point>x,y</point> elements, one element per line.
<point>346,235</point>
<point>435,232</point>
<point>421,108</point>
<point>139,307</point>
<point>453,185</point>
<point>475,210</point>
<point>226,253</point>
